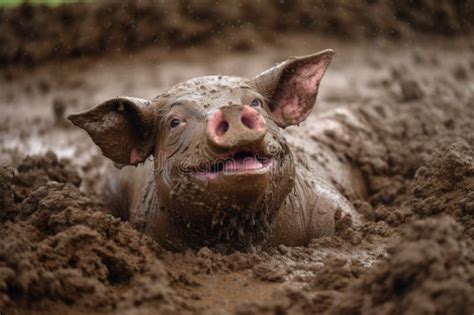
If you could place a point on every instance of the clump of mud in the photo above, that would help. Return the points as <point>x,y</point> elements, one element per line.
<point>445,185</point>
<point>31,34</point>
<point>430,272</point>
<point>59,246</point>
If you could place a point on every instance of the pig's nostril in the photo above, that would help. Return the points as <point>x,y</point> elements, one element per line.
<point>222,128</point>
<point>249,121</point>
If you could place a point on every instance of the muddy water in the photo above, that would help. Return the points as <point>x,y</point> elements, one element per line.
<point>414,249</point>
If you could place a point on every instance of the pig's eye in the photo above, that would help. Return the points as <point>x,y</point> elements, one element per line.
<point>256,103</point>
<point>175,122</point>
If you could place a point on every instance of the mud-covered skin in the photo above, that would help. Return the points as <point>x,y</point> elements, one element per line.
<point>184,198</point>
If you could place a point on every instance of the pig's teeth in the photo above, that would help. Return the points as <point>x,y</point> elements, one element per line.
<point>242,165</point>
<point>206,175</point>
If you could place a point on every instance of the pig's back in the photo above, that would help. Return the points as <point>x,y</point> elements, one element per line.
<point>319,144</point>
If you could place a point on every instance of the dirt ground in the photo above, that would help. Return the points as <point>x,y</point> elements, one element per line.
<point>413,252</point>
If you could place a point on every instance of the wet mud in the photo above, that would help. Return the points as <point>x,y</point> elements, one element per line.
<point>410,105</point>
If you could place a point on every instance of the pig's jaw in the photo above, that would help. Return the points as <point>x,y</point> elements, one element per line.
<point>241,163</point>
<point>236,206</point>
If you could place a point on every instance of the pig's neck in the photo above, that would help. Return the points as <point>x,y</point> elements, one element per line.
<point>176,233</point>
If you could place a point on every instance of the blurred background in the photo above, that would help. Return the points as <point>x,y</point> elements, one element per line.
<point>39,30</point>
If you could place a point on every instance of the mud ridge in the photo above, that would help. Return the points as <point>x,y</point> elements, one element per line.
<point>59,244</point>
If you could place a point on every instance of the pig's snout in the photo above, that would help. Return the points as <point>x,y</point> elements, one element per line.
<point>235,125</point>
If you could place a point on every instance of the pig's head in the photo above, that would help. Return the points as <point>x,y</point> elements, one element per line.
<point>221,164</point>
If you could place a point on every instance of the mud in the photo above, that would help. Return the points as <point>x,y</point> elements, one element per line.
<point>413,253</point>
<point>31,34</point>
<point>59,245</point>
<point>430,271</point>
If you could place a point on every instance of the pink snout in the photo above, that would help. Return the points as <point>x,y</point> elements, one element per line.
<point>235,125</point>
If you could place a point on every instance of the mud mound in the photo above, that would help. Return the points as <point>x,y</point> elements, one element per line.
<point>445,185</point>
<point>31,34</point>
<point>430,272</point>
<point>58,245</point>
<point>415,148</point>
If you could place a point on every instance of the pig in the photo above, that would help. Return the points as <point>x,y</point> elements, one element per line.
<point>214,166</point>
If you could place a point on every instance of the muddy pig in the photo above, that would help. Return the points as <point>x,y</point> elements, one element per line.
<point>215,165</point>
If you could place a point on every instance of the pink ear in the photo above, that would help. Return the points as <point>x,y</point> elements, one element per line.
<point>134,157</point>
<point>293,96</point>
<point>293,86</point>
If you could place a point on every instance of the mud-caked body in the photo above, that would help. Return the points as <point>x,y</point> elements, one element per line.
<point>215,165</point>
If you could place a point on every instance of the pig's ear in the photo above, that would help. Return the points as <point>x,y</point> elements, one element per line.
<point>292,86</point>
<point>122,127</point>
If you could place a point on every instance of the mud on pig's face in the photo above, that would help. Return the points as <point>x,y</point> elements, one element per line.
<point>216,140</point>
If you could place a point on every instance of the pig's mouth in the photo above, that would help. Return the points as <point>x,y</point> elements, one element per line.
<point>240,162</point>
